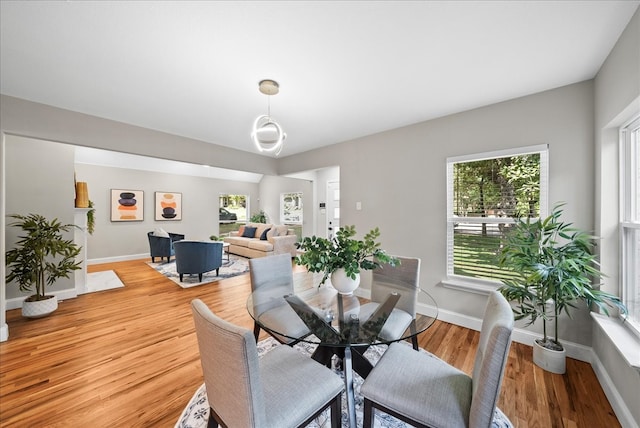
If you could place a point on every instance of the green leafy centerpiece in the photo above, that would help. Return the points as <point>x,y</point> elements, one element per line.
<point>344,256</point>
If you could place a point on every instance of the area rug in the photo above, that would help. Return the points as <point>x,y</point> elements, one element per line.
<point>235,266</point>
<point>196,414</point>
<point>104,280</point>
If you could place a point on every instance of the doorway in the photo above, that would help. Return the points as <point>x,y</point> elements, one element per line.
<point>333,208</point>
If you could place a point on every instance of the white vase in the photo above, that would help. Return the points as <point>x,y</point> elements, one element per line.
<point>344,284</point>
<point>39,308</point>
<point>548,359</point>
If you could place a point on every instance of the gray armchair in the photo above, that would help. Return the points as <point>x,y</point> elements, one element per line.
<point>423,390</point>
<point>197,257</point>
<point>283,388</point>
<point>160,246</point>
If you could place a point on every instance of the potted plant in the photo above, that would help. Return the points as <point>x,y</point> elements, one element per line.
<point>259,217</point>
<point>343,257</point>
<point>41,256</point>
<point>553,264</point>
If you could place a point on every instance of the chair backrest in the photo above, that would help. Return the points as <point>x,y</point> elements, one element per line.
<point>229,358</point>
<point>271,271</point>
<point>197,256</point>
<point>491,359</point>
<point>406,280</point>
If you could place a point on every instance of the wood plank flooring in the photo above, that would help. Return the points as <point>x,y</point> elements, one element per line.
<point>129,358</point>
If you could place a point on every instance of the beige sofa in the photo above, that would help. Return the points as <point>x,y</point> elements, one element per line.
<point>278,239</point>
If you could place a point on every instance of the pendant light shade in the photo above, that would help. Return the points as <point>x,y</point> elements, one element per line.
<point>267,134</point>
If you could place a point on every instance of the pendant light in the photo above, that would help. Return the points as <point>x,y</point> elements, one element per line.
<point>267,134</point>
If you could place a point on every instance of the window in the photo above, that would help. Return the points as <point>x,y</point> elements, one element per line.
<point>485,194</point>
<point>630,219</point>
<point>232,212</point>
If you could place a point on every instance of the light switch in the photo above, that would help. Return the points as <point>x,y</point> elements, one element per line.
<point>358,206</point>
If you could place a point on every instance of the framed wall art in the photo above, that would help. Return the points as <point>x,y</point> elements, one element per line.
<point>291,208</point>
<point>127,205</point>
<point>168,206</point>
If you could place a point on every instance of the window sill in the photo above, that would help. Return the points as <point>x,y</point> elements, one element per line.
<point>470,285</point>
<point>625,341</point>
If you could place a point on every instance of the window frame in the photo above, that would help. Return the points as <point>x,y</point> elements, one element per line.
<point>482,285</point>
<point>629,212</point>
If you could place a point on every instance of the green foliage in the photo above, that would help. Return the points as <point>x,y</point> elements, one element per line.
<point>91,219</point>
<point>554,261</point>
<point>509,184</point>
<point>215,238</point>
<point>42,255</point>
<point>259,217</point>
<point>324,255</point>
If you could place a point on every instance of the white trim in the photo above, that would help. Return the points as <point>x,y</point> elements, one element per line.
<point>118,259</point>
<point>70,293</point>
<point>615,399</point>
<point>627,343</point>
<point>499,153</point>
<point>473,285</point>
<point>4,333</point>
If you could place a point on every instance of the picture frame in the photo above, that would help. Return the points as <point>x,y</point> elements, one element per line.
<point>127,205</point>
<point>168,206</point>
<point>291,208</point>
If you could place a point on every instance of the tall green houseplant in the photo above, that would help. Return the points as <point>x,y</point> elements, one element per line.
<point>552,262</point>
<point>41,255</point>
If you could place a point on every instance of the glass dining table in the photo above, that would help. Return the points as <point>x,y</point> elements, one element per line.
<point>340,325</point>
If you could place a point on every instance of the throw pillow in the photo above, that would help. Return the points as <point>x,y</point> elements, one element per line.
<point>263,237</point>
<point>241,230</point>
<point>249,232</point>
<point>160,232</point>
<point>271,233</point>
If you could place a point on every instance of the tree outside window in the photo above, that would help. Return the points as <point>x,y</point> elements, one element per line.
<point>486,193</point>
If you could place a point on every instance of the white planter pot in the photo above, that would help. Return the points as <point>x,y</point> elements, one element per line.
<point>39,308</point>
<point>343,283</point>
<point>548,359</point>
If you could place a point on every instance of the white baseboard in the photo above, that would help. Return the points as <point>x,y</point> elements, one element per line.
<point>617,403</point>
<point>574,350</point>
<point>70,293</point>
<point>4,333</point>
<point>118,259</point>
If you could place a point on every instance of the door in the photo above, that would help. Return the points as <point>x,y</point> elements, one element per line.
<point>333,208</point>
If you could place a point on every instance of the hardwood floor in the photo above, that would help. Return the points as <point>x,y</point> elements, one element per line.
<point>129,358</point>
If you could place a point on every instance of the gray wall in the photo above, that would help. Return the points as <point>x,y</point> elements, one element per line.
<point>41,182</point>
<point>617,98</point>
<point>200,202</point>
<point>399,177</point>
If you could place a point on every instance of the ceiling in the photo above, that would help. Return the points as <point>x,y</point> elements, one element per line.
<point>346,69</point>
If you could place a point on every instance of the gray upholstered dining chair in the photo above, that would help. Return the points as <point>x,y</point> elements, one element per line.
<point>271,272</point>
<point>405,278</point>
<point>283,388</point>
<point>423,390</point>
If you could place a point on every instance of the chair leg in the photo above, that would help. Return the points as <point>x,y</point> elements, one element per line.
<point>181,277</point>
<point>367,414</point>
<point>336,412</point>
<point>218,272</point>
<point>414,341</point>
<point>256,330</point>
<point>199,277</point>
<point>212,423</point>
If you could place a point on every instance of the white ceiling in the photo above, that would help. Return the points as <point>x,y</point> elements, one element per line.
<point>346,68</point>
